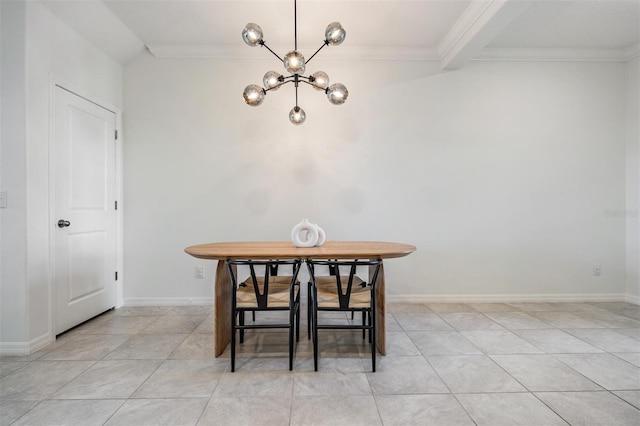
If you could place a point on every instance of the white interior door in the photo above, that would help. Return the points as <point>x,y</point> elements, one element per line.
<point>84,176</point>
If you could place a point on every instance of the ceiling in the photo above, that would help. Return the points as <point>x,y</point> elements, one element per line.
<point>452,31</point>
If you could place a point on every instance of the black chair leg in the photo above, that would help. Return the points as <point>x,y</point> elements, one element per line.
<point>364,323</point>
<point>241,315</point>
<point>291,331</point>
<point>309,310</point>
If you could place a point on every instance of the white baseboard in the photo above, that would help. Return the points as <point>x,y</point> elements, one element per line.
<point>506,298</point>
<point>167,301</point>
<point>632,299</point>
<point>25,348</point>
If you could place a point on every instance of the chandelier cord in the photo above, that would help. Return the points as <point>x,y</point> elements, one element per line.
<point>295,26</point>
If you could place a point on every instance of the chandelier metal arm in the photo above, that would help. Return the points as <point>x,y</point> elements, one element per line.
<point>326,43</point>
<point>279,85</point>
<point>314,86</point>
<point>263,44</point>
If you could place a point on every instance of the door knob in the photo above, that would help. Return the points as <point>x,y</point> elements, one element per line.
<point>63,223</point>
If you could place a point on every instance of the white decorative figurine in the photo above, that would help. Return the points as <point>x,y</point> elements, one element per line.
<point>307,234</point>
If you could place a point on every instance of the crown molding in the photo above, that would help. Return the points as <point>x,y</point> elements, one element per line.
<point>555,55</point>
<point>210,51</point>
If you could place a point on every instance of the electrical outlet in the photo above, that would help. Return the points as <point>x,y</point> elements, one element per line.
<point>597,269</point>
<point>199,272</point>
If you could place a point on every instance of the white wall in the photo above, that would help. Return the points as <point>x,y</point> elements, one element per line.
<point>632,205</point>
<point>499,173</point>
<point>13,219</point>
<point>52,53</point>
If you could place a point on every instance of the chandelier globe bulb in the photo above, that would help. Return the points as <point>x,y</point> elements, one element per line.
<point>297,115</point>
<point>253,95</point>
<point>294,62</point>
<point>335,34</point>
<point>252,34</point>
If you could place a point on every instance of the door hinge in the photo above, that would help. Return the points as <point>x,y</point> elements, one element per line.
<point>116,275</point>
<point>116,203</point>
<point>116,135</point>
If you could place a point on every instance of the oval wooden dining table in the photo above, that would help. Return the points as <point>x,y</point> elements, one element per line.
<point>224,251</point>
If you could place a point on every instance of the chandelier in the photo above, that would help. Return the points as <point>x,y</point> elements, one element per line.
<point>295,64</point>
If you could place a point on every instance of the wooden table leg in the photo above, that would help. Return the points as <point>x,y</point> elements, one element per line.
<point>222,309</point>
<point>381,309</point>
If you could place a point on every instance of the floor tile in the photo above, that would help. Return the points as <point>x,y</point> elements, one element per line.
<point>153,412</point>
<point>322,383</point>
<point>87,347</point>
<point>442,343</point>
<point>561,319</point>
<point>499,342</point>
<point>631,332</point>
<point>40,379</point>
<point>401,410</point>
<point>139,311</point>
<point>264,411</point>
<point>405,375</point>
<point>421,321</point>
<point>493,307</point>
<point>195,346</point>
<point>609,319</point>
<point>122,325</point>
<point>533,307</point>
<point>397,307</point>
<point>8,367</point>
<point>591,408</point>
<point>398,344</point>
<point>632,397</point>
<point>347,410</point>
<point>633,358</point>
<point>391,323</point>
<point>254,383</point>
<point>148,346</point>
<point>517,321</point>
<point>190,310</point>
<point>473,373</point>
<point>605,369</point>
<point>470,321</point>
<point>10,411</point>
<point>441,308</point>
<point>174,324</point>
<point>508,409</point>
<point>543,373</point>
<point>207,326</point>
<point>555,341</point>
<point>331,364</point>
<point>109,379</point>
<point>191,378</point>
<point>55,412</point>
<point>608,340</point>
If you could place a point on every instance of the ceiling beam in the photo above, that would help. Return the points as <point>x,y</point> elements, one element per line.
<point>478,25</point>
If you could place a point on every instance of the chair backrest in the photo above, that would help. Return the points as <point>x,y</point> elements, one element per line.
<point>345,281</point>
<point>261,284</point>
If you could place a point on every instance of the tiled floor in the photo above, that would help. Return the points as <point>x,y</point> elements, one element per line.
<point>447,364</point>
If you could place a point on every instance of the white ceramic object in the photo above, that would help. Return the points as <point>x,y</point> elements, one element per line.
<point>321,235</point>
<point>307,234</point>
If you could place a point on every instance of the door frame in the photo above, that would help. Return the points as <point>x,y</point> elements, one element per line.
<point>55,82</point>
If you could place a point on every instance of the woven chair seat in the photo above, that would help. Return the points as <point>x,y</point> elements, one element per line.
<point>278,293</point>
<point>328,296</point>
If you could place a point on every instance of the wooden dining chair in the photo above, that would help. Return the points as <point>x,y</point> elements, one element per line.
<point>343,291</point>
<point>264,290</point>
